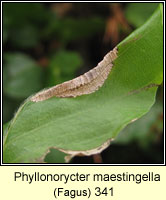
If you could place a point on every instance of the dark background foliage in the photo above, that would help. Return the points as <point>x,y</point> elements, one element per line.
<point>48,43</point>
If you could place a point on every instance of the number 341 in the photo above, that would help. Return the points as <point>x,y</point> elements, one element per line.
<point>106,191</point>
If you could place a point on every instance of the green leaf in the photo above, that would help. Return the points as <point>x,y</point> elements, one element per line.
<point>138,13</point>
<point>22,75</point>
<point>141,131</point>
<point>55,156</point>
<point>5,127</point>
<point>86,122</point>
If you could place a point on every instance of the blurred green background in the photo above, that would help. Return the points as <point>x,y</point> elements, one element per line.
<point>45,44</point>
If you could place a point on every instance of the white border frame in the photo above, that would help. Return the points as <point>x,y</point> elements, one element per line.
<point>28,164</point>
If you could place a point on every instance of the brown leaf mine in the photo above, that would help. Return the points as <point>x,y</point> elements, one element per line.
<point>90,152</point>
<point>71,153</point>
<point>84,84</point>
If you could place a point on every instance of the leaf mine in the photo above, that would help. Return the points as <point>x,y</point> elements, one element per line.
<point>90,152</point>
<point>84,84</point>
<point>70,153</point>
